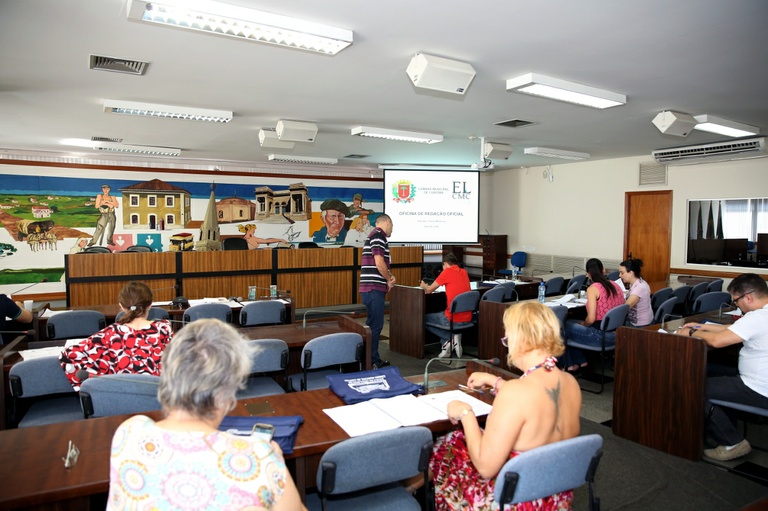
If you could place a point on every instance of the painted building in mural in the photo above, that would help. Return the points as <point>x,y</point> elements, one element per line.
<point>235,209</point>
<point>154,203</point>
<point>293,203</point>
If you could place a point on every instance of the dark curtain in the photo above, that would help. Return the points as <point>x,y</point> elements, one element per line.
<point>711,223</point>
<point>719,233</point>
<point>700,225</point>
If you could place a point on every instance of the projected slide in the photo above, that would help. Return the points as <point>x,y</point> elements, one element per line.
<point>432,206</point>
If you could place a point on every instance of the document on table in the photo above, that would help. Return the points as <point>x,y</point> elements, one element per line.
<point>47,313</point>
<point>223,300</point>
<point>394,412</point>
<point>52,351</point>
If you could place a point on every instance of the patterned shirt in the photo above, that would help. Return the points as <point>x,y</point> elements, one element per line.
<point>606,302</point>
<point>370,278</point>
<point>156,468</point>
<point>118,349</point>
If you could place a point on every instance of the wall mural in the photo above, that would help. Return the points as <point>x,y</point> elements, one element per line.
<point>45,217</point>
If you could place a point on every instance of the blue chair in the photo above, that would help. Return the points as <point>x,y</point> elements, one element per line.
<point>715,285</point>
<point>366,472</point>
<point>747,411</point>
<point>326,351</point>
<point>269,357</point>
<point>518,260</point>
<point>262,312</point>
<point>96,249</point>
<point>575,284</point>
<point>615,318</point>
<point>155,314</point>
<point>661,296</point>
<point>696,291</point>
<point>220,311</point>
<point>138,248</point>
<point>511,291</point>
<point>554,286</point>
<point>497,294</point>
<point>663,310</point>
<point>234,244</point>
<point>561,313</point>
<point>614,275</point>
<point>40,385</point>
<point>710,302</point>
<point>118,394</point>
<point>530,475</point>
<point>75,324</point>
<point>463,302</point>
<point>682,293</point>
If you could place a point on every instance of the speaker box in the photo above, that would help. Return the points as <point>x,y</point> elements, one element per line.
<point>430,271</point>
<point>437,73</point>
<point>296,131</point>
<point>496,151</point>
<point>674,123</point>
<point>269,138</point>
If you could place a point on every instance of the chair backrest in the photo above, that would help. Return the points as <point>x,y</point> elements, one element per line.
<point>710,301</point>
<point>375,459</point>
<point>308,244</point>
<point>614,318</point>
<point>519,259</point>
<point>561,311</point>
<point>509,287</point>
<point>696,291</point>
<point>138,248</point>
<point>661,296</point>
<point>614,275</point>
<point>554,286</point>
<point>234,244</point>
<point>682,293</point>
<point>220,311</point>
<point>269,355</point>
<point>116,394</point>
<point>715,285</point>
<point>576,283</point>
<point>664,309</point>
<point>332,349</point>
<point>74,324</point>
<point>465,302</point>
<point>96,249</point>
<point>262,312</point>
<point>531,475</point>
<point>497,294</point>
<point>155,313</point>
<point>38,377</point>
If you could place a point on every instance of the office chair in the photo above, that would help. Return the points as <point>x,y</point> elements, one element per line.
<point>715,285</point>
<point>660,296</point>
<point>518,260</point>
<point>511,292</point>
<point>75,324</point>
<point>613,320</point>
<point>269,356</point>
<point>262,312</point>
<point>118,394</point>
<point>220,311</point>
<point>710,302</point>
<point>327,351</point>
<point>138,248</point>
<point>696,291</point>
<point>155,314</point>
<point>530,475</point>
<point>664,309</point>
<point>366,472</point>
<point>463,302</point>
<point>554,286</point>
<point>40,385</point>
<point>576,283</point>
<point>614,275</point>
<point>682,293</point>
<point>497,294</point>
<point>308,244</point>
<point>234,244</point>
<point>747,411</point>
<point>561,312</point>
<point>96,249</point>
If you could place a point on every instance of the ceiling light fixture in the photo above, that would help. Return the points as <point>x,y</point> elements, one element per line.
<point>242,23</point>
<point>725,127</point>
<point>399,135</point>
<point>269,138</point>
<point>172,112</point>
<point>285,158</point>
<point>137,149</point>
<point>547,152</point>
<point>561,90</point>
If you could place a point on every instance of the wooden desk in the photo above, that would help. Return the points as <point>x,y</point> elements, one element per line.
<point>407,307</point>
<point>34,477</point>
<point>659,385</point>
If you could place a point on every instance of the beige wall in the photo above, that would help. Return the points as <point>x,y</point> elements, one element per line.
<point>581,212</point>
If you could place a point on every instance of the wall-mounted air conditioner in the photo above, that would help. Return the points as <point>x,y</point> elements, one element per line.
<point>736,149</point>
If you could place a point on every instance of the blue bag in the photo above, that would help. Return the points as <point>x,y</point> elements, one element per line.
<point>377,383</point>
<point>286,428</point>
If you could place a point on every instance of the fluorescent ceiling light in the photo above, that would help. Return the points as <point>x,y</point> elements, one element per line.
<point>268,138</point>
<point>400,135</point>
<point>173,112</point>
<point>724,126</point>
<point>286,158</point>
<point>137,149</point>
<point>242,23</point>
<point>561,90</point>
<point>555,153</point>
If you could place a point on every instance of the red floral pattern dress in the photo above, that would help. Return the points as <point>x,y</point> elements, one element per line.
<point>118,349</point>
<point>458,485</point>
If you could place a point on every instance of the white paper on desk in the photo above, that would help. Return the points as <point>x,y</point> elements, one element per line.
<point>51,351</point>
<point>563,299</point>
<point>440,401</point>
<point>158,304</point>
<point>383,414</point>
<point>48,313</point>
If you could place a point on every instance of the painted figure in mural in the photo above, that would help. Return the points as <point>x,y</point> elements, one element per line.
<point>357,206</point>
<point>79,245</point>
<point>252,239</point>
<point>333,214</point>
<point>359,230</point>
<point>106,204</point>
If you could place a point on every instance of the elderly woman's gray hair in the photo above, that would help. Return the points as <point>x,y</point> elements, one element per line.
<point>203,367</point>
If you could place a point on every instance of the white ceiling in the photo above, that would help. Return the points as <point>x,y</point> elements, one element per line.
<point>692,56</point>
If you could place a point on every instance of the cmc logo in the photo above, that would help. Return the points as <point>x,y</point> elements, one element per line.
<point>460,190</point>
<point>403,192</point>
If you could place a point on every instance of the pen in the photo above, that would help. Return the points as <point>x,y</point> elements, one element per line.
<point>467,389</point>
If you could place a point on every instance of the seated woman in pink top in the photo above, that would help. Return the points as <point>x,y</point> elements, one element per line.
<point>602,296</point>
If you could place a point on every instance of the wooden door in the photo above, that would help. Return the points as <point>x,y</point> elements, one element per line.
<point>648,233</point>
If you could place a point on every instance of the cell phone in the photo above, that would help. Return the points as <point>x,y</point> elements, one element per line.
<point>265,431</point>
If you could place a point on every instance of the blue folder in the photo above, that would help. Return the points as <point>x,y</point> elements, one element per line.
<point>377,383</point>
<point>286,428</point>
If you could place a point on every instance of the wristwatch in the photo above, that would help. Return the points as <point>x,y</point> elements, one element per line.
<point>690,331</point>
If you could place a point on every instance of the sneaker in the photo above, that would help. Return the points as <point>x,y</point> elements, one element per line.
<point>446,351</point>
<point>457,345</point>
<point>722,453</point>
<point>380,364</point>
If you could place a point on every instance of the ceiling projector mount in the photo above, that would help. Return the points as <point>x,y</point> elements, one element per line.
<point>490,151</point>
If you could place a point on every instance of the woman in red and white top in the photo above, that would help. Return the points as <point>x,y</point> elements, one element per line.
<point>133,344</point>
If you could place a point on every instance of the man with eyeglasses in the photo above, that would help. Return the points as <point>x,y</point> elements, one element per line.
<point>334,212</point>
<point>749,384</point>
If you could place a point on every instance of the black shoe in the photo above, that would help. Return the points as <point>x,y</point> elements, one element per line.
<point>380,364</point>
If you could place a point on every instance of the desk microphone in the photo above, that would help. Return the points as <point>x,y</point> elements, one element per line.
<point>238,299</point>
<point>720,309</point>
<point>29,333</point>
<point>29,286</point>
<point>668,316</point>
<point>279,291</point>
<point>304,321</point>
<point>493,361</point>
<point>573,270</point>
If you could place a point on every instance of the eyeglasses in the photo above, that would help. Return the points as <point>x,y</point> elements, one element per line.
<point>736,300</point>
<point>505,342</point>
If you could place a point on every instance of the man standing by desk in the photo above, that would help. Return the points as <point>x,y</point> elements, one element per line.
<point>375,281</point>
<point>748,385</point>
<point>456,281</point>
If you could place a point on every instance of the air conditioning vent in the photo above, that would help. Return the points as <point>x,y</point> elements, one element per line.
<point>750,147</point>
<point>132,67</point>
<point>652,173</point>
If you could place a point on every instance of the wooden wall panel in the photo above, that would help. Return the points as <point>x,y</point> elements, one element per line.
<point>318,288</point>
<point>316,257</point>
<point>227,260</point>
<point>103,293</point>
<point>127,263</point>
<point>224,286</point>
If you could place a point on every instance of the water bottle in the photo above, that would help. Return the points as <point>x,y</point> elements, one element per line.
<point>542,291</point>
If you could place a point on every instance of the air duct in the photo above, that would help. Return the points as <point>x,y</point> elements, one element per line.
<point>748,147</point>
